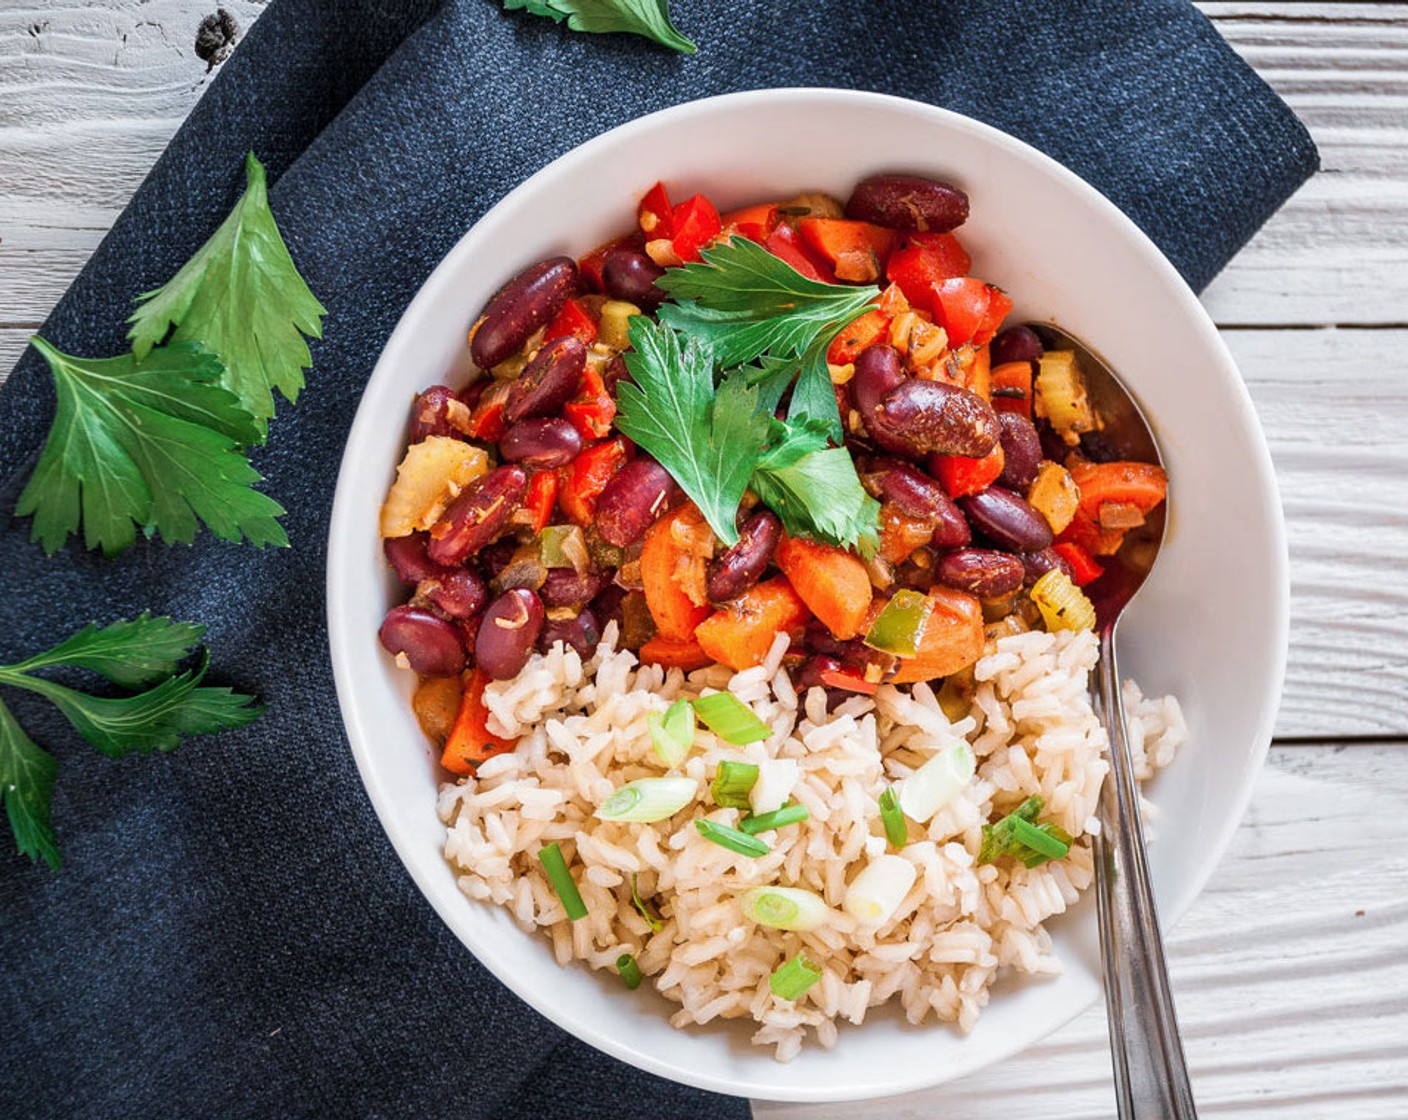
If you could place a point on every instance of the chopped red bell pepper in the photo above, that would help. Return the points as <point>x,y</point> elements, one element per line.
<point>867,330</point>
<point>752,222</point>
<point>784,244</point>
<point>1084,569</point>
<point>999,304</point>
<point>486,421</point>
<point>696,223</point>
<point>541,497</point>
<point>960,306</point>
<point>850,682</point>
<point>656,216</point>
<point>575,319</point>
<point>856,251</point>
<point>961,475</point>
<point>926,258</point>
<point>581,482</point>
<point>593,409</point>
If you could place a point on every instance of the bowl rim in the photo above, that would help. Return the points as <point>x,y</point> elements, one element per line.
<point>347,506</point>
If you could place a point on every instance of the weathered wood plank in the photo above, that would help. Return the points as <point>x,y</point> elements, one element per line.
<point>1289,970</point>
<point>90,93</point>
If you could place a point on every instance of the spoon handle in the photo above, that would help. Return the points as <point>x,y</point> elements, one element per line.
<point>1151,1077</point>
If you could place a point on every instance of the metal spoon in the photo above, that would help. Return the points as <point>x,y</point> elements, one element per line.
<point>1151,1077</point>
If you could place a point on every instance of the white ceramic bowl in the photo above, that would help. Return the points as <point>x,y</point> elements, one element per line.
<point>1210,626</point>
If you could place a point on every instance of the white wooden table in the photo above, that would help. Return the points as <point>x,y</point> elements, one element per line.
<point>1292,969</point>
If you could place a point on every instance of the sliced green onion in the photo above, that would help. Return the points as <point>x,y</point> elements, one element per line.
<point>937,782</point>
<point>1039,840</point>
<point>652,919</point>
<point>561,880</point>
<point>790,813</point>
<point>776,779</point>
<point>648,799</point>
<point>1010,837</point>
<point>731,719</point>
<point>731,839</point>
<point>900,625</point>
<point>892,817</point>
<point>563,546</point>
<point>792,980</point>
<point>784,908</point>
<point>630,971</point>
<point>732,783</point>
<point>672,733</point>
<point>876,893</point>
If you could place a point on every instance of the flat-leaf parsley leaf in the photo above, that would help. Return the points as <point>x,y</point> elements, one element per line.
<point>648,18</point>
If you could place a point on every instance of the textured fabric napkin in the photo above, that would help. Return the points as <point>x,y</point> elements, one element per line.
<point>231,935</point>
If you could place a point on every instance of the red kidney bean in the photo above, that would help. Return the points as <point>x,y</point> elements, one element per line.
<point>520,307</point>
<point>980,572</point>
<point>508,633</point>
<point>916,494</point>
<point>1021,452</point>
<point>432,411</point>
<point>819,639</point>
<point>630,275</point>
<point>494,558</point>
<point>1099,448</point>
<point>1037,564</point>
<point>549,381</point>
<point>566,587</point>
<point>407,555</point>
<point>808,676</point>
<point>1007,520</point>
<point>541,444</point>
<point>581,633</point>
<point>608,606</point>
<point>923,417</point>
<point>1053,447</point>
<point>632,500</point>
<point>952,530</point>
<point>615,373</point>
<point>459,592</point>
<point>1016,344</point>
<point>908,202</point>
<point>478,515</point>
<point>742,564</point>
<point>877,373</point>
<point>431,645</point>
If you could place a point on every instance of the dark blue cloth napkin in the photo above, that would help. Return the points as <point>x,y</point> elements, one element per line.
<point>231,935</point>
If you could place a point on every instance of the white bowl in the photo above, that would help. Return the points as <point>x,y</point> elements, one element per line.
<point>1210,626</point>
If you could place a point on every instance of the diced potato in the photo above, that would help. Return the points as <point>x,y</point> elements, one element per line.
<point>1055,494</point>
<point>436,703</point>
<point>1061,397</point>
<point>431,474</point>
<point>614,327</point>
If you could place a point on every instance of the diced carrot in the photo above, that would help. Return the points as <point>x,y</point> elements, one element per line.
<point>867,330</point>
<point>977,371</point>
<point>1142,485</point>
<point>672,560</point>
<point>470,741</point>
<point>784,244</point>
<point>953,638</point>
<point>856,251</point>
<point>752,222</point>
<point>1012,388</point>
<point>740,634</point>
<point>900,534</point>
<point>832,583</point>
<point>675,654</point>
<point>962,475</point>
<point>1084,569</point>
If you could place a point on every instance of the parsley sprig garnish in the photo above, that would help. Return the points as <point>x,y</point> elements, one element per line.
<point>648,18</point>
<point>142,653</point>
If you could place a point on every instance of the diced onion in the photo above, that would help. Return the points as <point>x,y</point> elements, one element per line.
<point>876,893</point>
<point>648,799</point>
<point>784,908</point>
<point>937,782</point>
<point>776,777</point>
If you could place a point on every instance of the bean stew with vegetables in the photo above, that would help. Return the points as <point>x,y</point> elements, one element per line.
<point>801,416</point>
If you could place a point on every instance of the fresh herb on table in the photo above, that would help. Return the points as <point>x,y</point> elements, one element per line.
<point>241,297</point>
<point>141,653</point>
<point>648,18</point>
<point>1019,835</point>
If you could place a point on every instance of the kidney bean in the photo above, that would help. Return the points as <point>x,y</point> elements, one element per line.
<point>478,515</point>
<point>549,381</point>
<point>808,676</point>
<point>407,555</point>
<point>614,373</point>
<point>952,530</point>
<point>508,633</point>
<point>431,645</point>
<point>923,417</point>
<point>1099,448</point>
<point>819,639</point>
<point>630,275</point>
<point>1021,452</point>
<point>877,373</point>
<point>632,500</point>
<point>1037,564</point>
<point>908,202</point>
<point>916,494</point>
<point>1053,447</point>
<point>1016,344</point>
<point>432,411</point>
<point>608,606</point>
<point>494,558</point>
<point>566,587</point>
<point>459,592</point>
<point>541,444</point>
<point>1007,520</point>
<point>742,564</point>
<point>581,633</point>
<point>980,572</point>
<point>520,307</point>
